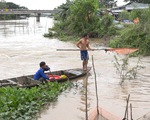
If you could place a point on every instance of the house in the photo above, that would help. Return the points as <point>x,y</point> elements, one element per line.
<point>128,7</point>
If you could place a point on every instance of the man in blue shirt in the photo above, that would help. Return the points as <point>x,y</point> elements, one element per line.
<point>40,75</point>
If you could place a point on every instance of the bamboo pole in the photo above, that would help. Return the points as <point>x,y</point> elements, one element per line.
<point>95,85</point>
<point>79,49</point>
<point>86,102</point>
<point>122,51</point>
<point>126,111</point>
<point>131,111</point>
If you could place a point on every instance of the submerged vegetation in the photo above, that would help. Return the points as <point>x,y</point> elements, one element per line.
<point>125,70</point>
<point>24,104</point>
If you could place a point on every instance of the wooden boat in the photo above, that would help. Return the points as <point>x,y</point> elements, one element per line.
<point>28,81</point>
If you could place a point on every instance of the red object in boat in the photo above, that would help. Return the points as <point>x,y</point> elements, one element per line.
<point>54,77</point>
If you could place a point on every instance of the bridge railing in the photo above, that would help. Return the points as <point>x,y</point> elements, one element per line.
<point>24,11</point>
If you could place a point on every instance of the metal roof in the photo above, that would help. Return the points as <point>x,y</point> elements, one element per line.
<point>135,5</point>
<point>129,6</point>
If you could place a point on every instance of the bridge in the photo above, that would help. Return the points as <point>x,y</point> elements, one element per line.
<point>25,11</point>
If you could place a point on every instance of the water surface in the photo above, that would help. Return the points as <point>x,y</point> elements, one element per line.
<point>22,47</point>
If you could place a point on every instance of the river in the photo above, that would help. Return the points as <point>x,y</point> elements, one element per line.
<point>22,47</point>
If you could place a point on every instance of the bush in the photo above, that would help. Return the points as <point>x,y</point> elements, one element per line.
<point>133,38</point>
<point>137,36</point>
<point>125,15</point>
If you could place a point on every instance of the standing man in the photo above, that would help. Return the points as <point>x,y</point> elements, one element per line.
<point>40,75</point>
<point>83,45</point>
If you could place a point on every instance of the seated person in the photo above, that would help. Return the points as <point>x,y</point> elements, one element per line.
<point>40,75</point>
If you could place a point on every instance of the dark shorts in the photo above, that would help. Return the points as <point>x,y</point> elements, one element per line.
<point>84,55</point>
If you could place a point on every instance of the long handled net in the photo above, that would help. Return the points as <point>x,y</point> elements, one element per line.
<point>122,51</point>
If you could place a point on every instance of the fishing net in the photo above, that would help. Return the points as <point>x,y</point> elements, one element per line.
<point>122,51</point>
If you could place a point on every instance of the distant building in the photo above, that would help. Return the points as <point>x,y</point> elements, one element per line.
<point>128,7</point>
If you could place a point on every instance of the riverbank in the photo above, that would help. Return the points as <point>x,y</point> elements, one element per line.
<point>102,41</point>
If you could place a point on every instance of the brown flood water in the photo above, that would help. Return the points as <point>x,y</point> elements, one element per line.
<point>22,48</point>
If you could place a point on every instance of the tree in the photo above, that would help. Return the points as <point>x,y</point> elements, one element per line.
<point>2,5</point>
<point>82,16</point>
<point>64,10</point>
<point>84,10</point>
<point>10,5</point>
<point>136,36</point>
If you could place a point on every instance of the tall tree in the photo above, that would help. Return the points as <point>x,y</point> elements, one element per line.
<point>83,17</point>
<point>64,10</point>
<point>84,10</point>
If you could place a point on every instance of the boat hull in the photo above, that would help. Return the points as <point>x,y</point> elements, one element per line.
<point>28,81</point>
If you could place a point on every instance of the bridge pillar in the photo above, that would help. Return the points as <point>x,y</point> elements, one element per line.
<point>38,17</point>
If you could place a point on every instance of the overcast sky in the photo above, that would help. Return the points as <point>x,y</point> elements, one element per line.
<point>43,4</point>
<point>38,4</point>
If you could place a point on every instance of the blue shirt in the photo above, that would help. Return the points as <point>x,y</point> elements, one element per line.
<point>40,73</point>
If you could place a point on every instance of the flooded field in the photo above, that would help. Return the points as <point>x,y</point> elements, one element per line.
<point>22,47</point>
